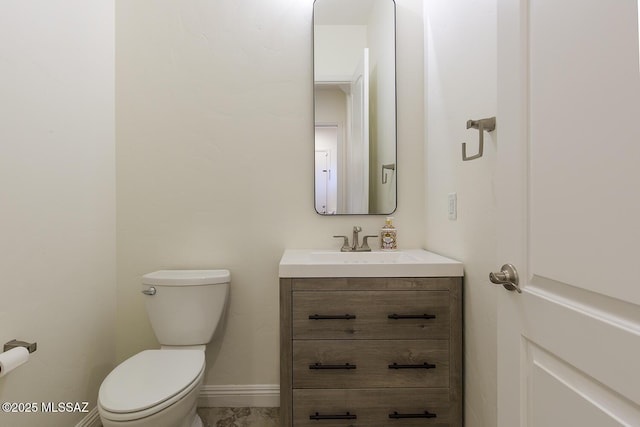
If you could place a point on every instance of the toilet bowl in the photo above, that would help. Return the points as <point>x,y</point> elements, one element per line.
<point>153,388</point>
<point>160,388</point>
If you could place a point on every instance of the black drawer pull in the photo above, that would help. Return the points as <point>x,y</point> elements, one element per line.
<point>411,316</point>
<point>426,414</point>
<point>321,366</point>
<point>424,365</point>
<point>347,416</point>
<point>332,316</point>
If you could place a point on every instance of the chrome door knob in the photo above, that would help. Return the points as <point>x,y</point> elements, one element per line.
<point>507,277</point>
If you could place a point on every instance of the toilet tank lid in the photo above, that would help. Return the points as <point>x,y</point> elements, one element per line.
<point>186,277</point>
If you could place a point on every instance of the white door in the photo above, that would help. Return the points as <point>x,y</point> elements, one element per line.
<point>321,181</point>
<point>326,168</point>
<point>568,191</point>
<point>358,152</point>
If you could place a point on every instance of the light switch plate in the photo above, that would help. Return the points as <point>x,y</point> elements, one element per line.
<point>453,206</point>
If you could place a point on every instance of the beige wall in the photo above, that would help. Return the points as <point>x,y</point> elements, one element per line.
<point>57,198</point>
<point>460,84</point>
<point>214,160</point>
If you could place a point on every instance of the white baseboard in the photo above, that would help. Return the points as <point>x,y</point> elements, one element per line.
<point>91,420</point>
<point>240,396</point>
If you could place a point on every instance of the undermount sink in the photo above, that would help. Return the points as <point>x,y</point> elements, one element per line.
<point>333,263</point>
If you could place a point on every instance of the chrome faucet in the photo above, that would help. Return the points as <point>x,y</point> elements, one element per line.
<point>354,247</point>
<point>354,241</point>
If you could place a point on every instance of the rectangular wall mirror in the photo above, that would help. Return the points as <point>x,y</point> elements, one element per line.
<point>354,74</point>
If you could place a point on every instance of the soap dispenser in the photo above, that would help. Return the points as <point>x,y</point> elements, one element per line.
<point>388,236</point>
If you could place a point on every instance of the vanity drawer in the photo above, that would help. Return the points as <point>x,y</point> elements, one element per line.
<point>371,407</point>
<point>370,314</point>
<point>370,363</point>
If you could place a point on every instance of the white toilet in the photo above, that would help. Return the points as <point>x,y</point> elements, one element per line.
<point>160,388</point>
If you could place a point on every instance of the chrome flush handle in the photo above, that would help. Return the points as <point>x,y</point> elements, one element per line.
<point>150,291</point>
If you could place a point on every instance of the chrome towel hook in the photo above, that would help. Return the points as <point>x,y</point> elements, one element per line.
<point>489,125</point>
<point>390,166</point>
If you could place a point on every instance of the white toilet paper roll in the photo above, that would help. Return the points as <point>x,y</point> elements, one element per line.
<point>10,360</point>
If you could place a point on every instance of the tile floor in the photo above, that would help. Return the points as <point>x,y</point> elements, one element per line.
<point>239,417</point>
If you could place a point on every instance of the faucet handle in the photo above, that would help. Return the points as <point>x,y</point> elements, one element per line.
<point>345,243</point>
<point>356,229</point>
<point>365,244</point>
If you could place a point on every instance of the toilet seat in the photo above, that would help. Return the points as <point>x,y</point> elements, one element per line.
<point>149,382</point>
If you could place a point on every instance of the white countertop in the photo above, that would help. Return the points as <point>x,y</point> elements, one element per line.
<point>400,263</point>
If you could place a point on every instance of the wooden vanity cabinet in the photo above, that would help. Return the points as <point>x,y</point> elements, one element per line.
<point>371,352</point>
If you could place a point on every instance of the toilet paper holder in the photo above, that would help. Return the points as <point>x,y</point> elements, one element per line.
<point>31,346</point>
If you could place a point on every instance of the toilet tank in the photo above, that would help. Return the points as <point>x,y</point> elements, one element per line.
<point>185,306</point>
